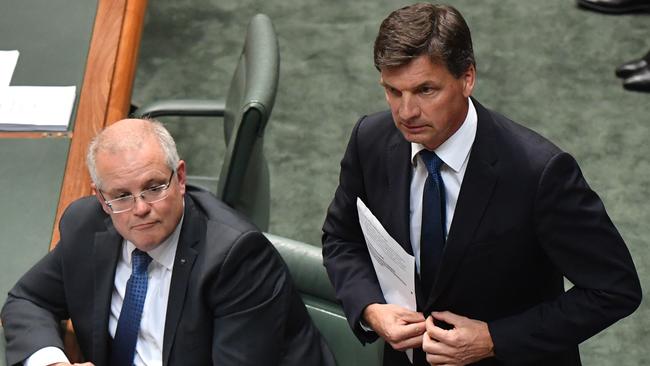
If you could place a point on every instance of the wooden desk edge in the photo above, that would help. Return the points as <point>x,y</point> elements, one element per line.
<point>34,134</point>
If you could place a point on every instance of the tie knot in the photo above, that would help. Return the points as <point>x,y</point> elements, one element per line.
<point>431,160</point>
<point>140,261</point>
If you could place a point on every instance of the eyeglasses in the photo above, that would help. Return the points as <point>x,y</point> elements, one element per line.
<point>151,195</point>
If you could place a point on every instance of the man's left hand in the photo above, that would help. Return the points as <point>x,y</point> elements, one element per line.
<point>469,340</point>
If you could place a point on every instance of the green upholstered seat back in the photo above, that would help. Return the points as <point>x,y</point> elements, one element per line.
<point>305,263</point>
<point>244,178</point>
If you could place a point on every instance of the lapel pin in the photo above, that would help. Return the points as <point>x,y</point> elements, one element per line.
<point>182,260</point>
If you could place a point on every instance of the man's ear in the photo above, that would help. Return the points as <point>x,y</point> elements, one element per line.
<point>181,175</point>
<point>95,191</point>
<point>469,79</point>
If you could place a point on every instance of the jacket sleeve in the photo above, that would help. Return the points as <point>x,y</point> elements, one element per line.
<point>35,306</point>
<point>345,254</point>
<point>577,235</point>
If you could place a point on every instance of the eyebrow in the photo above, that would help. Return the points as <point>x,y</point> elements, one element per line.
<point>147,185</point>
<point>428,83</point>
<point>385,84</point>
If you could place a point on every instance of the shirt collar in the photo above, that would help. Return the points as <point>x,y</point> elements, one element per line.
<point>164,253</point>
<point>455,150</point>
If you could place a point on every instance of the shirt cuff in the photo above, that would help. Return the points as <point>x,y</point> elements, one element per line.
<point>46,356</point>
<point>365,326</point>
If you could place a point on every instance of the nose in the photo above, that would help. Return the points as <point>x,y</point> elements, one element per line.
<point>140,207</point>
<point>408,108</point>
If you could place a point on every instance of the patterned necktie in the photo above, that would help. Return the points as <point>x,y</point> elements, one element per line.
<point>432,234</point>
<point>128,325</point>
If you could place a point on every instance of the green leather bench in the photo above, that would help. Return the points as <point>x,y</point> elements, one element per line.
<point>305,263</point>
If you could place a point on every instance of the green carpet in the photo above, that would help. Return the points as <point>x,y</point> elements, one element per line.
<point>545,64</point>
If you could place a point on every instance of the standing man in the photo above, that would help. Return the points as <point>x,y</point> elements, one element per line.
<point>494,214</point>
<point>154,272</point>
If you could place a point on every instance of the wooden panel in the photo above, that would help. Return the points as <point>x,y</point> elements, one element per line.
<point>119,102</point>
<point>106,91</point>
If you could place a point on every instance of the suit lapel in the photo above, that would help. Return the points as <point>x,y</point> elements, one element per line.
<point>476,190</point>
<point>398,171</point>
<point>191,232</point>
<point>105,255</point>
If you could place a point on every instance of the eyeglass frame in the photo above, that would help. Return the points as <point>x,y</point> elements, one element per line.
<point>162,187</point>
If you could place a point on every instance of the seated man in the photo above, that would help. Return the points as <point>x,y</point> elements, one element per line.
<point>152,272</point>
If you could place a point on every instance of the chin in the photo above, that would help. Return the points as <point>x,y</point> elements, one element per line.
<point>146,244</point>
<point>417,139</point>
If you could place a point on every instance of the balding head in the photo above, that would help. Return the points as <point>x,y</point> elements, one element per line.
<point>130,134</point>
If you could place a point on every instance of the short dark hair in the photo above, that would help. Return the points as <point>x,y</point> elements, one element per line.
<point>436,30</point>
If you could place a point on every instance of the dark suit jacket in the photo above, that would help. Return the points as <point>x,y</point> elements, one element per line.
<point>231,299</point>
<point>525,217</point>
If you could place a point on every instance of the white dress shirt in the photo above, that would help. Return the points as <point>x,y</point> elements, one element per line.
<point>148,349</point>
<point>455,154</point>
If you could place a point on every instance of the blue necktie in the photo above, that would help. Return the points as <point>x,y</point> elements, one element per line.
<point>128,325</point>
<point>432,234</point>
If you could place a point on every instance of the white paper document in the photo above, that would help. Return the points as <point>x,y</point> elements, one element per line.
<point>8,60</point>
<point>36,108</point>
<point>395,268</point>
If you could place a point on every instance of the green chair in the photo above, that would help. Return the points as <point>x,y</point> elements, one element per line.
<point>305,263</point>
<point>243,181</point>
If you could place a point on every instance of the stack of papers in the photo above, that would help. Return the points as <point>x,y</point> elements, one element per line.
<point>395,268</point>
<point>32,108</point>
<point>8,61</point>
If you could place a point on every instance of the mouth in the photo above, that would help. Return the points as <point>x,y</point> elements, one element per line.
<point>144,226</point>
<point>414,128</point>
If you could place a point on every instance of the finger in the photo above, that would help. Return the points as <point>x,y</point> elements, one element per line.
<point>434,331</point>
<point>447,317</point>
<point>411,316</point>
<point>413,330</point>
<point>439,360</point>
<point>409,343</point>
<point>435,347</point>
<point>437,353</point>
<point>428,344</point>
<point>403,332</point>
<point>429,323</point>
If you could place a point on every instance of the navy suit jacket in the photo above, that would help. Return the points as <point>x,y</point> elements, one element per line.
<point>525,217</point>
<point>231,298</point>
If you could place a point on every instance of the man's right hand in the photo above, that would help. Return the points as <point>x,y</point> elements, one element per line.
<point>401,328</point>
